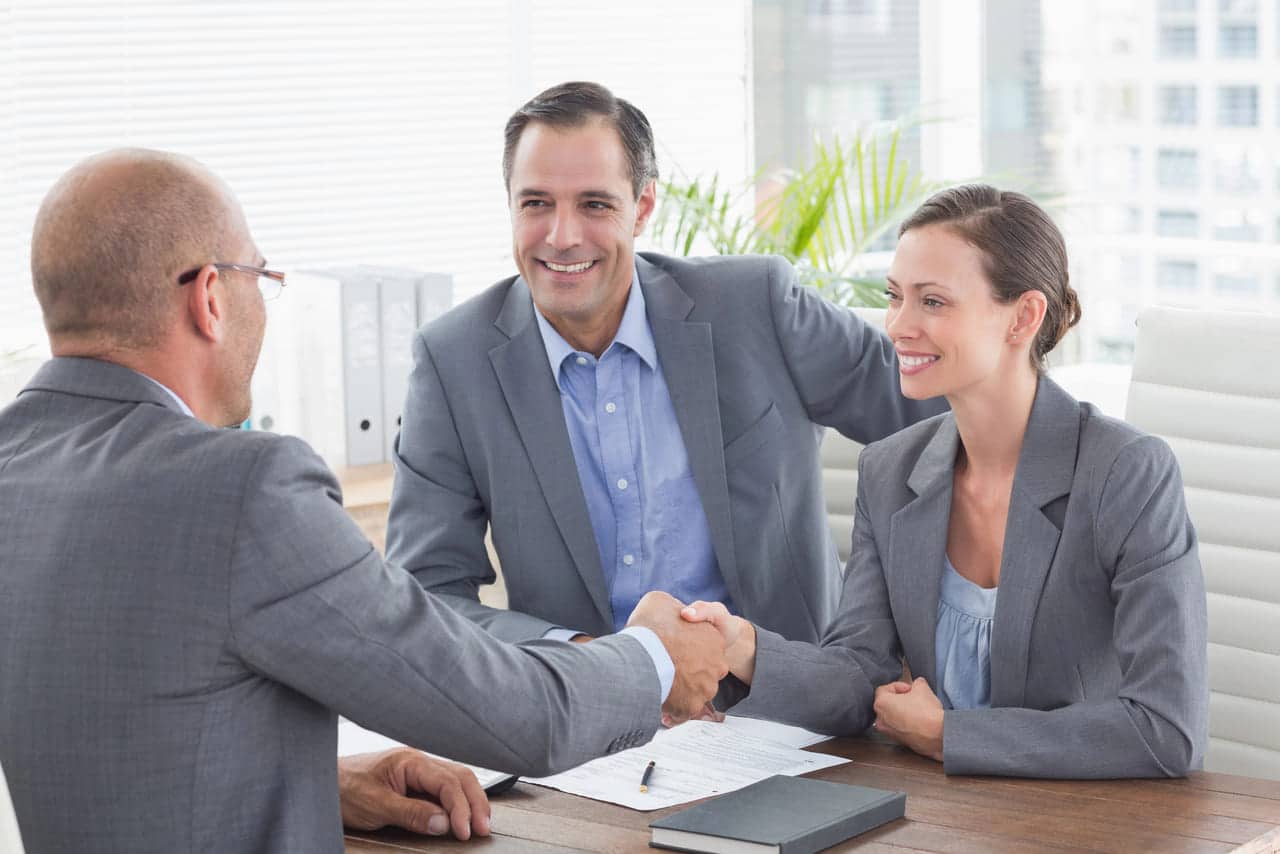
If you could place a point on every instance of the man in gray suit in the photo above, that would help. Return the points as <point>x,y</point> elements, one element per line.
<point>628,422</point>
<point>183,609</point>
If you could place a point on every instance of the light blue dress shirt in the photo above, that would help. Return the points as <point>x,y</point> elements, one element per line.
<point>963,641</point>
<point>652,645</point>
<point>645,510</point>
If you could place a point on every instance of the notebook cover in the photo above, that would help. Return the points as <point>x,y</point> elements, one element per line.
<point>796,814</point>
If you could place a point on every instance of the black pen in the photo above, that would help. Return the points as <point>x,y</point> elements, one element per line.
<point>644,778</point>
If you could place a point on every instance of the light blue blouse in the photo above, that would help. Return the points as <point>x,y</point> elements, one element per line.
<point>963,642</point>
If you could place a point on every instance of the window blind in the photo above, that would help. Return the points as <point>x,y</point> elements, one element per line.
<point>352,133</point>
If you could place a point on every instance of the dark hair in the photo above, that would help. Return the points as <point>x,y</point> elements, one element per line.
<point>572,105</point>
<point>1022,250</point>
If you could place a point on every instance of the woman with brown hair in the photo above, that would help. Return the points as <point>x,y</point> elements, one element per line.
<point>1030,559</point>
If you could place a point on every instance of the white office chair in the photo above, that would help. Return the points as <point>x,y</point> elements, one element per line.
<point>840,469</point>
<point>1207,382</point>
<point>10,838</point>
<point>840,488</point>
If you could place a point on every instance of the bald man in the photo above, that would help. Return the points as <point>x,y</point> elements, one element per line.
<point>184,608</point>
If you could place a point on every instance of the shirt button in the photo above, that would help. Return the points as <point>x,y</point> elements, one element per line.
<point>622,483</point>
<point>582,360</point>
<point>610,407</point>
<point>628,559</point>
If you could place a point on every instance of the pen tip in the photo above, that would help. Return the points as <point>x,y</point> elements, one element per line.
<point>644,789</point>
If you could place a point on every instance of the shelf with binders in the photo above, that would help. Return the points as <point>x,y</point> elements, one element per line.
<point>337,355</point>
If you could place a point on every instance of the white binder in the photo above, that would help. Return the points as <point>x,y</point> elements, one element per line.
<point>434,290</point>
<point>362,367</point>
<point>316,309</point>
<point>409,300</point>
<point>435,296</point>
<point>274,386</point>
<point>398,296</point>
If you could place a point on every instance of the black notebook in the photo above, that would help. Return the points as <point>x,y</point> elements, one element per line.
<point>786,815</point>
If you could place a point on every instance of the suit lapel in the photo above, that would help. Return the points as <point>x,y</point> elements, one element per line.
<point>687,357</point>
<point>917,545</point>
<point>534,400</point>
<point>1046,468</point>
<point>1030,541</point>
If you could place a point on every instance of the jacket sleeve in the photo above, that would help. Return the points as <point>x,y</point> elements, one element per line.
<point>831,688</point>
<point>844,369</point>
<point>1158,724</point>
<point>311,605</point>
<point>437,522</point>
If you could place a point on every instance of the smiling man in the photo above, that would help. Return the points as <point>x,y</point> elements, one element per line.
<point>575,229</point>
<point>627,422</point>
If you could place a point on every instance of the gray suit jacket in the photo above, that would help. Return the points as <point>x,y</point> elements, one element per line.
<point>1099,641</point>
<point>753,362</point>
<point>184,609</point>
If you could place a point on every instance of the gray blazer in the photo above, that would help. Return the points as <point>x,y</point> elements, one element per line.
<point>753,362</point>
<point>184,609</point>
<point>1099,641</point>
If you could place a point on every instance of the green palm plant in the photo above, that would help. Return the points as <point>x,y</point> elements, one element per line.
<point>821,217</point>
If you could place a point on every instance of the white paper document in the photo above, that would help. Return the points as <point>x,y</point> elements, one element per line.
<point>353,738</point>
<point>792,736</point>
<point>695,760</point>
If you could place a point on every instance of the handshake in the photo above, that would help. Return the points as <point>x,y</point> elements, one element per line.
<point>705,643</point>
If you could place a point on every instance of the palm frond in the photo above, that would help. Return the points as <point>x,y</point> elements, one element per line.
<point>822,217</point>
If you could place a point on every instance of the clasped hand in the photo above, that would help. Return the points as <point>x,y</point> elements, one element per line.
<point>696,650</point>
<point>912,715</point>
<point>739,636</point>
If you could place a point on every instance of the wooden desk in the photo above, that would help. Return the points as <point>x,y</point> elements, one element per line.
<point>1205,812</point>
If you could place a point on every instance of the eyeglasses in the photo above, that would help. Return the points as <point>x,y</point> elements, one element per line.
<point>270,282</point>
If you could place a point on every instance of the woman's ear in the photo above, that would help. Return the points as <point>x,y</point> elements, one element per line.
<point>1028,316</point>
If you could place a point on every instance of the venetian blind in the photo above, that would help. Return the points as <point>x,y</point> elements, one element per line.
<point>353,132</point>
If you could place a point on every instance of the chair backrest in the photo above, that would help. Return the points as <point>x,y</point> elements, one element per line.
<point>10,838</point>
<point>1207,382</point>
<point>840,469</point>
<point>840,488</point>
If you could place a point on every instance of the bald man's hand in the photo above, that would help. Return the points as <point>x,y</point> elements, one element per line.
<point>696,650</point>
<point>405,788</point>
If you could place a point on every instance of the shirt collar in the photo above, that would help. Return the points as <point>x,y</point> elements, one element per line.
<point>633,333</point>
<point>181,403</point>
